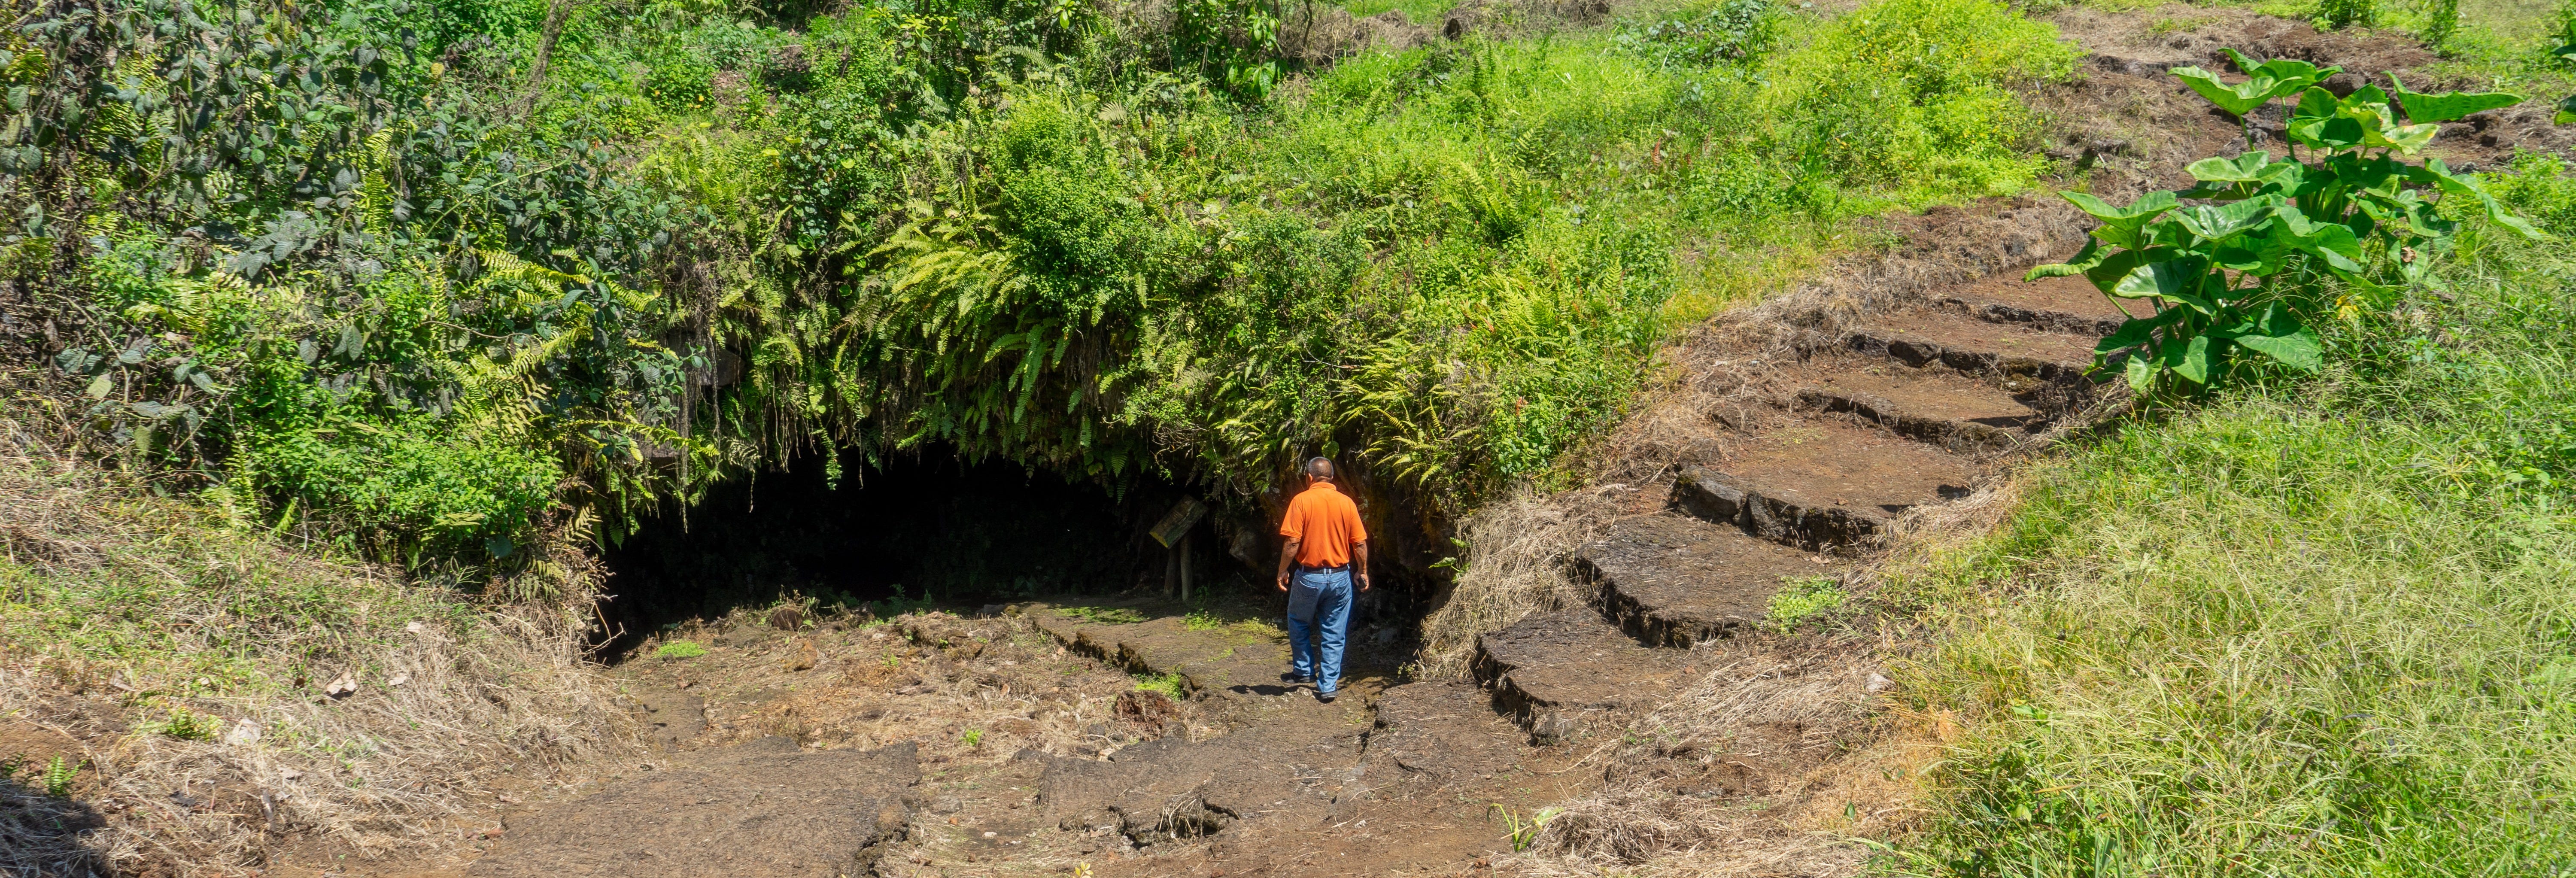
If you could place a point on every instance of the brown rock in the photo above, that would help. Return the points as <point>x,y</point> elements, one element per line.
<point>803,656</point>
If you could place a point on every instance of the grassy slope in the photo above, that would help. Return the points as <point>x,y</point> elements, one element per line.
<point>2313,629</point>
<point>212,642</point>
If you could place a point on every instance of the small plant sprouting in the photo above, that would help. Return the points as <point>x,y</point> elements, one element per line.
<point>1803,600</point>
<point>973,737</point>
<point>188,725</point>
<point>1524,833</point>
<point>1171,685</point>
<point>680,649</point>
<point>58,777</point>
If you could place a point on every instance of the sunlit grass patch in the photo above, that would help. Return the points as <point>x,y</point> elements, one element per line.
<point>2317,630</point>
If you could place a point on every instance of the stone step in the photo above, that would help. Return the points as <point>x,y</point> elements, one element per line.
<point>2057,304</point>
<point>722,816</point>
<point>1551,672</point>
<point>1822,483</point>
<point>1963,413</point>
<point>1225,662</point>
<point>1439,734</point>
<point>1673,580</point>
<point>1947,338</point>
<point>1292,766</point>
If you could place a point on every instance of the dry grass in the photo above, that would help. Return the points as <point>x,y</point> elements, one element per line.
<point>1515,567</point>
<point>120,610</point>
<point>1774,716</point>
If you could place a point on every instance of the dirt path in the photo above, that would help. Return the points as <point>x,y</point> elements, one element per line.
<point>1796,438</point>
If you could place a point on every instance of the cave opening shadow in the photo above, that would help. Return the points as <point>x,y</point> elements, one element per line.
<point>913,527</point>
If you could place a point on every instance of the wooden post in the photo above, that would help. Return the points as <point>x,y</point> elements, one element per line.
<point>1186,539</point>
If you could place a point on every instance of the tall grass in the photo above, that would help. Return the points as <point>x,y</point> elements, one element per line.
<point>2323,629</point>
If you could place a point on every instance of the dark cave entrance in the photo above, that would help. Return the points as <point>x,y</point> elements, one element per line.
<point>961,535</point>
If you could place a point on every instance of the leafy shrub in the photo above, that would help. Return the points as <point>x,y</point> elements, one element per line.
<point>2348,229</point>
<point>1727,32</point>
<point>2347,13</point>
<point>443,492</point>
<point>679,649</point>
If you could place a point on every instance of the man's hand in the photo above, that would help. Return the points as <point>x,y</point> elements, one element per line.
<point>1287,558</point>
<point>1359,563</point>
<point>1364,583</point>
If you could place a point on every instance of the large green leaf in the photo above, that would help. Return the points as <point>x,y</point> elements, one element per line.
<point>2132,333</point>
<point>2566,108</point>
<point>2264,81</point>
<point>2174,280</point>
<point>2449,105</point>
<point>2108,272</point>
<point>2136,214</point>
<point>2193,361</point>
<point>2467,187</point>
<point>2408,139</point>
<point>2293,73</point>
<point>2141,372</point>
<point>2243,176</point>
<point>2334,242</point>
<point>2297,349</point>
<point>2238,98</point>
<point>2120,224</point>
<point>2219,222</point>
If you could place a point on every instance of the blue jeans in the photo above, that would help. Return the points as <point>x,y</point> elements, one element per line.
<point>1319,603</point>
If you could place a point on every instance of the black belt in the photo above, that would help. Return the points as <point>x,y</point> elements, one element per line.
<point>1338,569</point>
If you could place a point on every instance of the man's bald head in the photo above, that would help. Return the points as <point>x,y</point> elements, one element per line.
<point>1320,468</point>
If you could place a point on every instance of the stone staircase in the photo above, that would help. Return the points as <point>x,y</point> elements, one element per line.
<point>1908,408</point>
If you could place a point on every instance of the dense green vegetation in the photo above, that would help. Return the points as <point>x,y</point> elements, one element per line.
<point>436,278</point>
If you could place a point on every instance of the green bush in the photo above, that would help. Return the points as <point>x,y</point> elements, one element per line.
<point>2346,13</point>
<point>679,649</point>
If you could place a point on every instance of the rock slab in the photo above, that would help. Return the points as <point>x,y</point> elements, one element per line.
<point>763,809</point>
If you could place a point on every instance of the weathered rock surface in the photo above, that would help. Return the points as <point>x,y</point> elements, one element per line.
<point>758,810</point>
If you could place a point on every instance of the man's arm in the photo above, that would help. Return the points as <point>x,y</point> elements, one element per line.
<point>1287,556</point>
<point>1359,561</point>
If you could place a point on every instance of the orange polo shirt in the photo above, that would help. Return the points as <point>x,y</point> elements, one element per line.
<point>1325,524</point>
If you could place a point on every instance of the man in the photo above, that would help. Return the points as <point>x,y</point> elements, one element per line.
<point>1325,545</point>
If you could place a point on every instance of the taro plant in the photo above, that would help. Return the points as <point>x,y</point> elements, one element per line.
<point>2246,259</point>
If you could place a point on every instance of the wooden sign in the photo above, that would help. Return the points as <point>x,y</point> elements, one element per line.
<point>1178,521</point>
